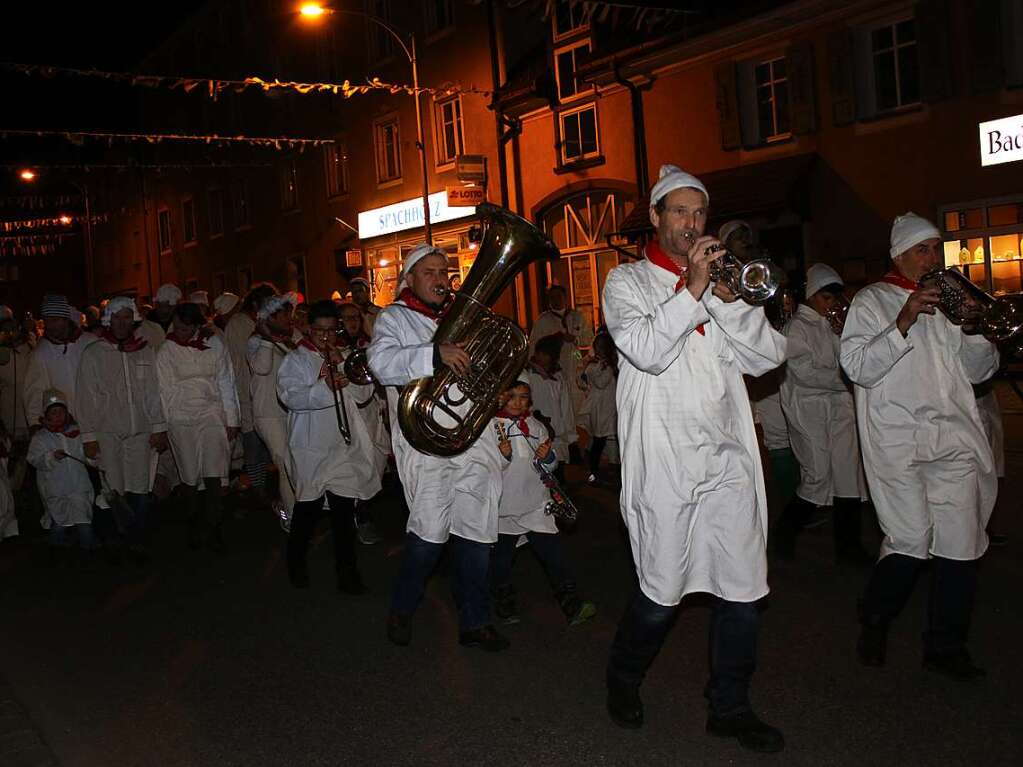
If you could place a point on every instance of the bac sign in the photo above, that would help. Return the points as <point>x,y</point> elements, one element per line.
<point>1001,140</point>
<point>462,196</point>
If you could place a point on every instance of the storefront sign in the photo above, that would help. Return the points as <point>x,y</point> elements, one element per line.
<point>408,215</point>
<point>1001,140</point>
<point>461,196</point>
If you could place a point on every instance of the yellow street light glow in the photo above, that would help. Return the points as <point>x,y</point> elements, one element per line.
<point>65,220</point>
<point>312,10</point>
<point>383,262</point>
<point>27,175</point>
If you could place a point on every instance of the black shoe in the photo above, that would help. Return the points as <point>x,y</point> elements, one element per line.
<point>505,606</point>
<point>399,629</point>
<point>958,666</point>
<point>485,637</point>
<point>624,705</point>
<point>751,733</point>
<point>350,582</point>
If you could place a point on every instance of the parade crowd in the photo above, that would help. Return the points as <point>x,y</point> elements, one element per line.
<point>685,384</point>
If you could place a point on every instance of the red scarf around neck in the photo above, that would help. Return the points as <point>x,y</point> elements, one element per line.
<point>658,257</point>
<point>895,277</point>
<point>131,344</point>
<point>416,304</point>
<point>198,341</point>
<point>520,420</point>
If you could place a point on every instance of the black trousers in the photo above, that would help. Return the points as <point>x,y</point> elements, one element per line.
<point>596,450</point>
<point>303,524</point>
<point>949,609</point>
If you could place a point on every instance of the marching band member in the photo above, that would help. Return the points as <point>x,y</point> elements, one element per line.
<point>274,338</point>
<point>121,415</point>
<point>522,439</point>
<point>569,325</point>
<point>456,496</point>
<point>359,288</point>
<point>325,465</point>
<point>353,338</point>
<point>54,362</point>
<point>224,308</point>
<point>693,494</point>
<point>552,397</point>
<point>200,402</point>
<point>928,462</point>
<point>822,423</point>
<point>154,327</point>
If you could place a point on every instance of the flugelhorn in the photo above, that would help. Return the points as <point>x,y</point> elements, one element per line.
<point>975,311</point>
<point>755,282</point>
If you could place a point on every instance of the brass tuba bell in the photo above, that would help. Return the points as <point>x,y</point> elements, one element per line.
<point>444,414</point>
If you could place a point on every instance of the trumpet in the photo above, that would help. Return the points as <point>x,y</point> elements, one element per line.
<point>340,410</point>
<point>837,313</point>
<point>755,282</point>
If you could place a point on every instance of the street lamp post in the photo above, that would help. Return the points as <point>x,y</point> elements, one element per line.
<point>314,10</point>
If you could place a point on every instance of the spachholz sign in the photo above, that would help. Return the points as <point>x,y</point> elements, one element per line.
<point>1001,140</point>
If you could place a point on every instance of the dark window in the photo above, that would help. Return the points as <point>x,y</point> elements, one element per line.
<point>772,86</point>
<point>579,134</point>
<point>896,67</point>
<point>188,221</point>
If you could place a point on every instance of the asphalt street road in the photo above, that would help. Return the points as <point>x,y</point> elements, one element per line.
<point>200,660</point>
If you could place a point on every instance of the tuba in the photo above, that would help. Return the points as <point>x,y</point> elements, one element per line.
<point>444,414</point>
<point>963,303</point>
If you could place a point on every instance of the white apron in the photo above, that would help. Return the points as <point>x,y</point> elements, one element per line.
<point>693,493</point>
<point>928,462</point>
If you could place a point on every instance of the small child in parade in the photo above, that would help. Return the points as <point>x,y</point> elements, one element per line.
<point>598,377</point>
<point>57,454</point>
<point>551,397</point>
<point>522,439</point>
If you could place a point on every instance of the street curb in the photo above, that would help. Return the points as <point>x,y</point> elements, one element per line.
<point>21,743</point>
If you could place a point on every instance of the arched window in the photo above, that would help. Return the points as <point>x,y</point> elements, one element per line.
<point>579,226</point>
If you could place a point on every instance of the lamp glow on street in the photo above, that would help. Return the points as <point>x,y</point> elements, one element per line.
<point>65,219</point>
<point>27,175</point>
<point>313,10</point>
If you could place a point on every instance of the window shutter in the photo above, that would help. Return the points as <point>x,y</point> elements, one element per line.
<point>842,79</point>
<point>746,96</point>
<point>985,48</point>
<point>728,106</point>
<point>932,19</point>
<point>802,103</point>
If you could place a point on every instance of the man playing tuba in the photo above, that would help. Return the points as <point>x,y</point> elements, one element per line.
<point>453,496</point>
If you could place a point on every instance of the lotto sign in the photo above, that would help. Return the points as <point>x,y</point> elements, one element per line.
<point>464,196</point>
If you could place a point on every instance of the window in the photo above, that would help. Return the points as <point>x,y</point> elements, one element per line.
<point>984,239</point>
<point>438,15</point>
<point>216,206</point>
<point>188,221</point>
<point>388,150</point>
<point>335,166</point>
<point>579,134</point>
<point>895,65</point>
<point>240,205</point>
<point>772,85</point>
<point>569,16</point>
<point>164,230</point>
<point>450,142</point>
<point>566,61</point>
<point>381,44</point>
<point>289,186</point>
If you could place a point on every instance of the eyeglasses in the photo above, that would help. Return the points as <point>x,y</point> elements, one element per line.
<point>322,331</point>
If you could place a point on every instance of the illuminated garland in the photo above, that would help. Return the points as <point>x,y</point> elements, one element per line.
<point>76,137</point>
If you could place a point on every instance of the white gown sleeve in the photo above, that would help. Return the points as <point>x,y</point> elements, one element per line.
<point>295,389</point>
<point>757,346</point>
<point>87,400</point>
<point>37,380</point>
<point>869,348</point>
<point>151,397</point>
<point>980,358</point>
<point>166,378</point>
<point>801,364</point>
<point>651,342</point>
<point>227,387</point>
<point>392,363</point>
<point>40,453</point>
<point>260,357</point>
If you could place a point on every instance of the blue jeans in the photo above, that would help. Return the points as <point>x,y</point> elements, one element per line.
<point>733,649</point>
<point>546,546</point>
<point>469,585</point>
<point>86,540</point>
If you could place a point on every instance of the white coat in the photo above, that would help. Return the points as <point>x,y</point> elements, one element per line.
<point>523,495</point>
<point>457,495</point>
<point>154,334</point>
<point>269,418</point>
<point>928,462</point>
<point>572,322</point>
<point>820,412</point>
<point>13,366</point>
<point>765,397</point>
<point>991,419</point>
<point>200,401</point>
<point>550,395</point>
<point>53,366</point>
<point>321,461</point>
<point>64,484</point>
<point>693,493</point>
<point>236,334</point>
<point>119,407</point>
<point>601,408</point>
<point>368,406</point>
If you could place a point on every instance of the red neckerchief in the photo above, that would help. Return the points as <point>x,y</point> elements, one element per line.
<point>895,277</point>
<point>520,420</point>
<point>132,344</point>
<point>198,341</point>
<point>658,257</point>
<point>416,304</point>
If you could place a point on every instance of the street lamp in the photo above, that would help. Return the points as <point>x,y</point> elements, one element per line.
<point>27,175</point>
<point>315,10</point>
